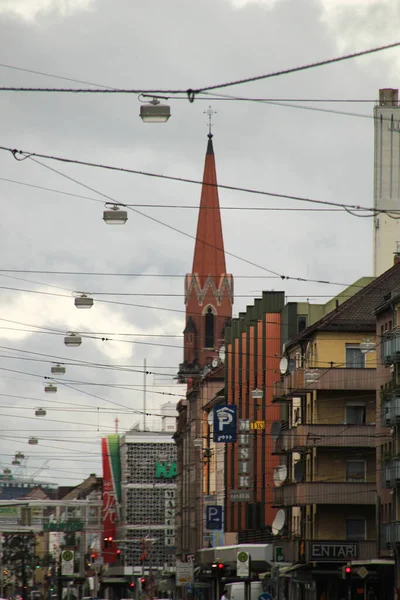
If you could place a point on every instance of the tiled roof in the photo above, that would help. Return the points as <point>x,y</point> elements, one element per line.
<point>357,313</point>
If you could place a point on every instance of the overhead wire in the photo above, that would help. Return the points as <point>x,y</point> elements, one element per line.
<point>192,93</point>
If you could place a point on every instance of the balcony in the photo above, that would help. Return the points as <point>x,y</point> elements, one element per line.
<point>367,549</point>
<point>302,380</point>
<point>323,492</point>
<point>391,473</point>
<point>391,533</point>
<point>391,347</point>
<point>325,436</point>
<point>391,410</point>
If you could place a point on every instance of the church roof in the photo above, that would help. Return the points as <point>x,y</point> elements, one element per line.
<point>209,255</point>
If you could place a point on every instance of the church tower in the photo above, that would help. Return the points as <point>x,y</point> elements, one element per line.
<point>208,288</point>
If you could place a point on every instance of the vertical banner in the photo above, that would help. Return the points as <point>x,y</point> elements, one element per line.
<point>111,494</point>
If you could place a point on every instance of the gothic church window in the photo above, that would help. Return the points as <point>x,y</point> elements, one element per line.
<point>209,328</point>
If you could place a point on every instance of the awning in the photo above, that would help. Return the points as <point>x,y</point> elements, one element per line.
<point>115,580</point>
<point>373,562</point>
<point>285,571</point>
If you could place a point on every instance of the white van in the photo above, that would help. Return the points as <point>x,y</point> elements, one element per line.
<point>235,591</point>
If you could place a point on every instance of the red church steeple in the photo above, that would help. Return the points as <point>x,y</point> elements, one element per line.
<point>208,288</point>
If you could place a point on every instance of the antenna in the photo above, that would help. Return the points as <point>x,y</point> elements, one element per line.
<point>283,365</point>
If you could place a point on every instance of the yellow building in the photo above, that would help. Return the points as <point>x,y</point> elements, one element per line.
<point>325,486</point>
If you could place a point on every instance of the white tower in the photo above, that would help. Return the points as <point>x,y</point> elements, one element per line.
<point>386,179</point>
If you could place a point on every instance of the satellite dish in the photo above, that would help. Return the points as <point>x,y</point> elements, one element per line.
<point>298,471</point>
<point>210,418</point>
<point>222,354</point>
<point>283,365</point>
<point>280,475</point>
<point>215,363</point>
<point>278,522</point>
<point>275,429</point>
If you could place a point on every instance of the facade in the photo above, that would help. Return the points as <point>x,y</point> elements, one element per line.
<point>252,358</point>
<point>388,438</point>
<point>208,299</point>
<point>386,178</point>
<point>325,485</point>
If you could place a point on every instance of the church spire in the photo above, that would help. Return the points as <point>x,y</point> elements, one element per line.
<point>209,255</point>
<point>208,288</point>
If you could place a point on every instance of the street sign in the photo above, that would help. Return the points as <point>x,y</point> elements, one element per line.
<point>362,572</point>
<point>213,517</point>
<point>278,554</point>
<point>225,423</point>
<point>240,495</point>
<point>67,562</point>
<point>184,573</point>
<point>243,564</point>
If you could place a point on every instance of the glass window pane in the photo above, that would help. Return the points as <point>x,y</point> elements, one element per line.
<point>355,529</point>
<point>355,415</point>
<point>355,470</point>
<point>355,359</point>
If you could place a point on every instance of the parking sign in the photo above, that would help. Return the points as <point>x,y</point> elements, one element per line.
<point>225,423</point>
<point>213,517</point>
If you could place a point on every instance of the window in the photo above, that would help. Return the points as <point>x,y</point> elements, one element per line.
<point>355,414</point>
<point>209,328</point>
<point>356,528</point>
<point>355,359</point>
<point>355,470</point>
<point>301,323</point>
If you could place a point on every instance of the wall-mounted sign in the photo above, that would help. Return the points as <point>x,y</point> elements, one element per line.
<point>240,495</point>
<point>165,470</point>
<point>333,551</point>
<point>213,517</point>
<point>225,423</point>
<point>244,466</point>
<point>184,573</point>
<point>170,507</point>
<point>67,526</point>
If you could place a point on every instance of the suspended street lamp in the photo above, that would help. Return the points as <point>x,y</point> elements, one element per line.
<point>19,456</point>
<point>83,301</point>
<point>50,388</point>
<point>7,471</point>
<point>33,441</point>
<point>155,112</point>
<point>72,340</point>
<point>40,412</point>
<point>58,369</point>
<point>16,462</point>
<point>113,215</point>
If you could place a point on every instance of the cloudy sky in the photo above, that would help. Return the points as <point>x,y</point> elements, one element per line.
<point>53,224</point>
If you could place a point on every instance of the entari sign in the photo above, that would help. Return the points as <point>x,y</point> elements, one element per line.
<point>333,551</point>
<point>165,470</point>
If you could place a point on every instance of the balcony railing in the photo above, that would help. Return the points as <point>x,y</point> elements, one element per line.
<point>391,347</point>
<point>319,492</point>
<point>325,436</point>
<point>391,410</point>
<point>391,533</point>
<point>391,472</point>
<point>301,380</point>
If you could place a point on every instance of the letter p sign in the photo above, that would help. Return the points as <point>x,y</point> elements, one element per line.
<point>214,517</point>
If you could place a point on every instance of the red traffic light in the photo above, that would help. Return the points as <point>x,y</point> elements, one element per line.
<point>118,551</point>
<point>348,569</point>
<point>221,565</point>
<point>93,556</point>
<point>110,538</point>
<point>131,584</point>
<point>143,580</point>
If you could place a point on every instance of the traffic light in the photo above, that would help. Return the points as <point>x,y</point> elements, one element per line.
<point>105,542</point>
<point>218,569</point>
<point>108,541</point>
<point>93,557</point>
<point>346,573</point>
<point>131,584</point>
<point>143,582</point>
<point>119,554</point>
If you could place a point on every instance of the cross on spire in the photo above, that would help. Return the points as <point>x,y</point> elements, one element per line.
<point>210,112</point>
